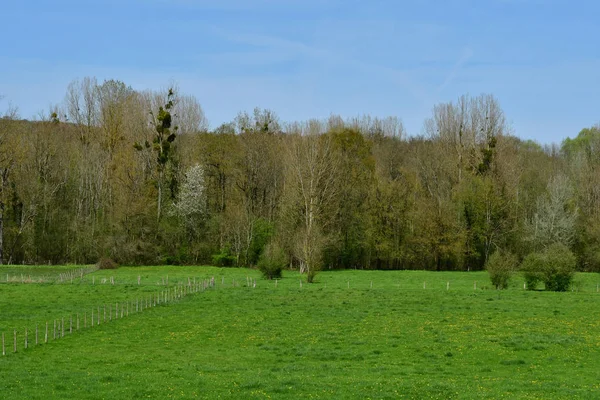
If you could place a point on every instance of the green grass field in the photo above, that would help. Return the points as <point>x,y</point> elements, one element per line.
<point>353,334</point>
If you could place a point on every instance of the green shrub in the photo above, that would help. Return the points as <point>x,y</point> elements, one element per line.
<point>224,258</point>
<point>262,231</point>
<point>560,268</point>
<point>272,261</point>
<point>107,263</point>
<point>532,267</point>
<point>555,267</point>
<point>501,266</point>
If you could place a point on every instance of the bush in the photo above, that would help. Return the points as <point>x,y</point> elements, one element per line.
<point>555,267</point>
<point>560,268</point>
<point>272,261</point>
<point>262,231</point>
<point>224,258</point>
<point>532,267</point>
<point>501,266</point>
<point>107,263</point>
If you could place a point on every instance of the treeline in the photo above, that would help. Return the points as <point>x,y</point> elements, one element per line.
<point>138,177</point>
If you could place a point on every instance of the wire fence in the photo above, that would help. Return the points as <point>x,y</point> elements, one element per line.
<point>104,313</point>
<point>91,317</point>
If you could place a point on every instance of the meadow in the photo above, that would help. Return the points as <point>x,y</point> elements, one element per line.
<point>352,334</point>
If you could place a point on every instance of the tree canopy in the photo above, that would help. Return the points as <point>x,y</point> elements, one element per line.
<point>109,174</point>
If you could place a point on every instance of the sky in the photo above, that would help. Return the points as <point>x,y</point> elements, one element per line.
<point>309,59</point>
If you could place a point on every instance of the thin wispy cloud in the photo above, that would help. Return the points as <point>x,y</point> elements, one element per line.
<point>466,55</point>
<point>311,58</point>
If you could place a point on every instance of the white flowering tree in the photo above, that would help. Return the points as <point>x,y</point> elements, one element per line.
<point>190,206</point>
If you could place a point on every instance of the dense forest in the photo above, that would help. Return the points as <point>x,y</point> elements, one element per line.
<point>138,177</point>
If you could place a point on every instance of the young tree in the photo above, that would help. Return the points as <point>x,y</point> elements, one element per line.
<point>311,189</point>
<point>501,266</point>
<point>272,261</point>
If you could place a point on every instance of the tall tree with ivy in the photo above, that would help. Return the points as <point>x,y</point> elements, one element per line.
<point>163,136</point>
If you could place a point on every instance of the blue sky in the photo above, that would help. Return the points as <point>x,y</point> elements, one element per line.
<point>309,59</point>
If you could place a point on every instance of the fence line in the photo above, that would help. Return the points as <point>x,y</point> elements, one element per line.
<point>172,294</point>
<point>62,277</point>
<point>143,303</point>
<point>76,273</point>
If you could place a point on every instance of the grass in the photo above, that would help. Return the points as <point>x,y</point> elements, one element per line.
<point>353,334</point>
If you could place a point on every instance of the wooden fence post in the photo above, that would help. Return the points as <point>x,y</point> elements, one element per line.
<point>46,334</point>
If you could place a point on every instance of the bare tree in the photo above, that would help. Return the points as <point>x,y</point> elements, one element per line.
<point>466,127</point>
<point>82,106</point>
<point>189,115</point>
<point>556,216</point>
<point>311,188</point>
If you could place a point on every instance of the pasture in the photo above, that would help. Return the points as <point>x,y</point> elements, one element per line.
<point>352,334</point>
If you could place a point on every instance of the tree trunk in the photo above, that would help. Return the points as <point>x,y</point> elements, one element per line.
<point>159,200</point>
